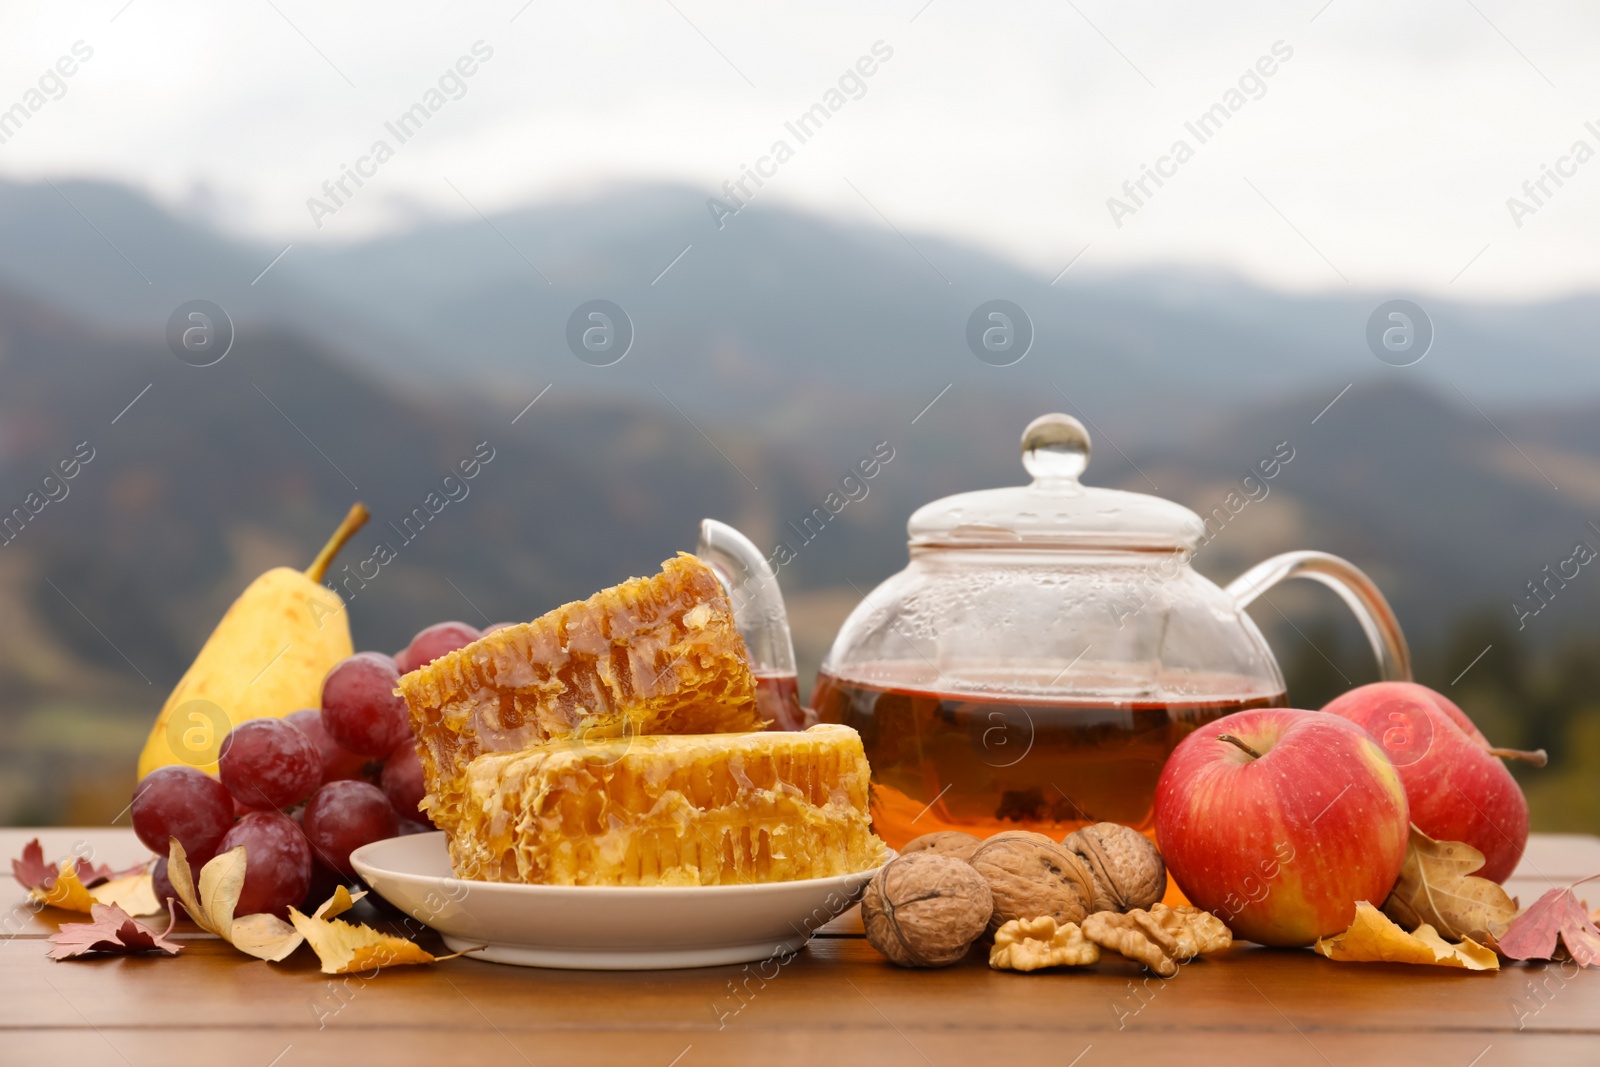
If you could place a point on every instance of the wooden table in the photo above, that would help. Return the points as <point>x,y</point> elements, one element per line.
<point>837,1003</point>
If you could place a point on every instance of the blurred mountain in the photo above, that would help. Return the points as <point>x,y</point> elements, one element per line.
<point>776,313</point>
<point>214,473</point>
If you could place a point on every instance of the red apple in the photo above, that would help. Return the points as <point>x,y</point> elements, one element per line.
<point>1383,690</point>
<point>1457,787</point>
<point>1278,821</point>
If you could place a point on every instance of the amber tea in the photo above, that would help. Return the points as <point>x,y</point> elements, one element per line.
<point>945,761</point>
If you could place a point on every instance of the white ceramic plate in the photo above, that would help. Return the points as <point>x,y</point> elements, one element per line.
<point>601,927</point>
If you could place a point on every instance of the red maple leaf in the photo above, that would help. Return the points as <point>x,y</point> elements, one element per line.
<point>1555,916</point>
<point>91,875</point>
<point>112,931</point>
<point>31,870</point>
<point>34,873</point>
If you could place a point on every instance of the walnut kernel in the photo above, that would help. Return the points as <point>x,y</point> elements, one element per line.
<point>1160,938</point>
<point>1030,944</point>
<point>1032,876</point>
<point>1126,867</point>
<point>925,909</point>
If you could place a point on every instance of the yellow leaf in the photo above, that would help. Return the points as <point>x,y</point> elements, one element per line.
<point>1436,887</point>
<point>193,902</point>
<point>134,894</point>
<point>341,902</point>
<point>68,892</point>
<point>341,947</point>
<point>344,949</point>
<point>183,884</point>
<point>1374,938</point>
<point>268,937</point>
<point>221,884</point>
<point>265,937</point>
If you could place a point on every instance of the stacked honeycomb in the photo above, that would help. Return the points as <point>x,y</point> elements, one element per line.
<point>715,809</point>
<point>614,741</point>
<point>652,655</point>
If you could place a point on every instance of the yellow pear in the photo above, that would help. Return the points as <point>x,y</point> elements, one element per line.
<point>266,658</point>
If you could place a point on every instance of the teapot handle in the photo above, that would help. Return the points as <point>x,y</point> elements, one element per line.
<point>1353,586</point>
<point>753,593</point>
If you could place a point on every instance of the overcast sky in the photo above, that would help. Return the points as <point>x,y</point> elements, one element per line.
<point>1379,152</point>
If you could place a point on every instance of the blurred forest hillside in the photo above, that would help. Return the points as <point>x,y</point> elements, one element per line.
<point>766,364</point>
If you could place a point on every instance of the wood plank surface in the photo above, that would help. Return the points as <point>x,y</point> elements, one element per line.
<point>837,1003</point>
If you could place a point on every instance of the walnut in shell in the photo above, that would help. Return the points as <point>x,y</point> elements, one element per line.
<point>1032,876</point>
<point>925,909</point>
<point>946,842</point>
<point>1126,866</point>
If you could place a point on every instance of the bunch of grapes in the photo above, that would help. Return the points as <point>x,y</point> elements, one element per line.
<point>302,792</point>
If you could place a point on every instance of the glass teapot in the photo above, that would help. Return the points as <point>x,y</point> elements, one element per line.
<point>1044,650</point>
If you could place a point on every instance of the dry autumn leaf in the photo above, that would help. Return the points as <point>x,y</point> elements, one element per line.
<point>341,947</point>
<point>1557,915</point>
<point>30,870</point>
<point>266,937</point>
<point>66,891</point>
<point>77,884</point>
<point>270,938</point>
<point>1436,887</point>
<point>344,949</point>
<point>112,931</point>
<point>133,893</point>
<point>341,901</point>
<point>1374,938</point>
<point>212,903</point>
<point>34,873</point>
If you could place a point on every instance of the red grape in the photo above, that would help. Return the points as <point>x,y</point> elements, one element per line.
<point>360,709</point>
<point>277,863</point>
<point>435,641</point>
<point>337,762</point>
<point>184,803</point>
<point>402,781</point>
<point>411,826</point>
<point>160,883</point>
<point>343,816</point>
<point>269,764</point>
<point>324,881</point>
<point>241,809</point>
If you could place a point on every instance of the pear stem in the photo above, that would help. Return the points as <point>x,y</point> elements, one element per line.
<point>1538,757</point>
<point>1252,753</point>
<point>353,521</point>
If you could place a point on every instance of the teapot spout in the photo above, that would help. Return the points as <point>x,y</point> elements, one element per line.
<point>758,610</point>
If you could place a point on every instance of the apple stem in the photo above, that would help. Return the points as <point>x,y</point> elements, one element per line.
<point>1538,757</point>
<point>1252,753</point>
<point>353,521</point>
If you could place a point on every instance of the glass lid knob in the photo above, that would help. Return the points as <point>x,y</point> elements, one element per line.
<point>1055,448</point>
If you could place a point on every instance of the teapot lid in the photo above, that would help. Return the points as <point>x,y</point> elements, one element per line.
<point>1056,510</point>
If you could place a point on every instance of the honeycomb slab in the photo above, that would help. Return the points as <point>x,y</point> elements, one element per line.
<point>716,809</point>
<point>658,655</point>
